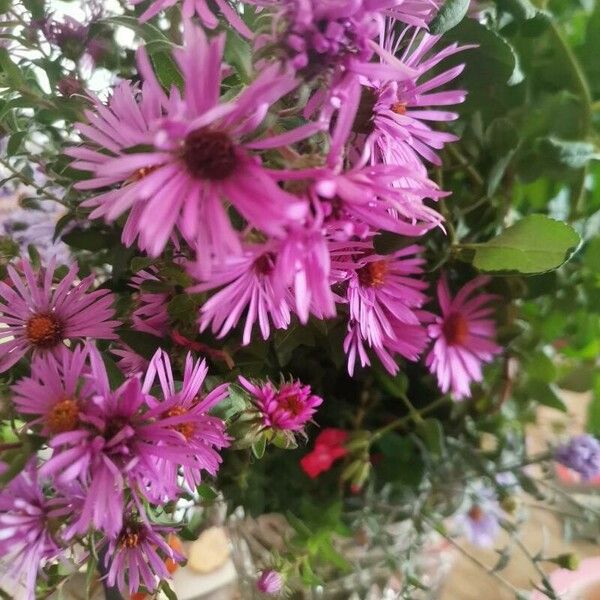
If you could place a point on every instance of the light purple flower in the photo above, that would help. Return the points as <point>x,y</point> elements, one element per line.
<point>480,523</point>
<point>27,540</point>
<point>39,314</point>
<point>288,407</point>
<point>197,155</point>
<point>394,114</point>
<point>136,556</point>
<point>270,582</point>
<point>200,8</point>
<point>150,314</point>
<point>581,454</point>
<point>54,392</point>
<point>184,410</point>
<point>464,337</point>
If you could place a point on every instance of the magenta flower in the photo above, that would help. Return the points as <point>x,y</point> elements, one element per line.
<point>392,122</point>
<point>270,582</point>
<point>287,408</point>
<point>27,540</point>
<point>136,556</point>
<point>39,315</point>
<point>150,314</point>
<point>54,392</point>
<point>185,411</point>
<point>248,284</point>
<point>129,361</point>
<point>464,337</point>
<point>200,8</point>
<point>384,299</point>
<point>198,156</point>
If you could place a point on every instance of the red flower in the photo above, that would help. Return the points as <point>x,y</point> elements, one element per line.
<point>329,446</point>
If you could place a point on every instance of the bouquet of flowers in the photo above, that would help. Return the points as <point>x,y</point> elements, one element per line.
<point>305,256</point>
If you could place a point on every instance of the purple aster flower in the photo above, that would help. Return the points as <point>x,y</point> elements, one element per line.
<point>129,361</point>
<point>184,410</point>
<point>464,337</point>
<point>69,35</point>
<point>136,556</point>
<point>247,283</point>
<point>39,315</point>
<point>392,120</point>
<point>582,454</point>
<point>270,582</point>
<point>287,408</point>
<point>198,156</point>
<point>384,299</point>
<point>120,443</point>
<point>200,8</point>
<point>54,392</point>
<point>27,538</point>
<point>480,523</point>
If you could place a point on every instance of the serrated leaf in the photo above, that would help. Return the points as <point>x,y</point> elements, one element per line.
<point>535,244</point>
<point>451,13</point>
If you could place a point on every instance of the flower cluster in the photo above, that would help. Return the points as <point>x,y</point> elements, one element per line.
<point>274,230</point>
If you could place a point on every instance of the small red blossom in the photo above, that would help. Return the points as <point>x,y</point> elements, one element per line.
<point>329,447</point>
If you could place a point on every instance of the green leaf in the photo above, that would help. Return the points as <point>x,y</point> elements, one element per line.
<point>13,74</point>
<point>166,70</point>
<point>593,413</point>
<point>258,447</point>
<point>432,433</point>
<point>139,263</point>
<point>535,244</point>
<point>546,395</point>
<point>89,239</point>
<point>396,385</point>
<point>451,13</point>
<point>206,492</point>
<point>15,141</point>
<point>115,375</point>
<point>165,588</point>
<point>239,55</point>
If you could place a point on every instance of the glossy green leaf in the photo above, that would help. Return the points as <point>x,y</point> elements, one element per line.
<point>535,244</point>
<point>450,14</point>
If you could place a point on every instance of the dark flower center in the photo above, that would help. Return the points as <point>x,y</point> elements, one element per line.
<point>209,154</point>
<point>373,273</point>
<point>476,513</point>
<point>131,535</point>
<point>186,429</point>
<point>63,416</point>
<point>292,404</point>
<point>264,264</point>
<point>44,330</point>
<point>455,329</point>
<point>399,108</point>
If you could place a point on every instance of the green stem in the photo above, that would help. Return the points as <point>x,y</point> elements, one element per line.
<point>464,162</point>
<point>399,423</point>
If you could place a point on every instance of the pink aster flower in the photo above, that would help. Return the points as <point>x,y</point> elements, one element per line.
<point>27,539</point>
<point>384,299</point>
<point>464,337</point>
<point>129,361</point>
<point>136,556</point>
<point>287,408</point>
<point>480,522</point>
<point>200,8</point>
<point>184,410</point>
<point>198,155</point>
<point>39,315</point>
<point>270,582</point>
<point>119,444</point>
<point>247,283</point>
<point>394,115</point>
<point>54,392</point>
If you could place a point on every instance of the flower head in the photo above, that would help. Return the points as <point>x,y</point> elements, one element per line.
<point>288,407</point>
<point>270,582</point>
<point>27,540</point>
<point>480,522</point>
<point>463,337</point>
<point>39,314</point>
<point>329,447</point>
<point>195,155</point>
<point>54,392</point>
<point>150,314</point>
<point>581,454</point>
<point>136,556</point>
